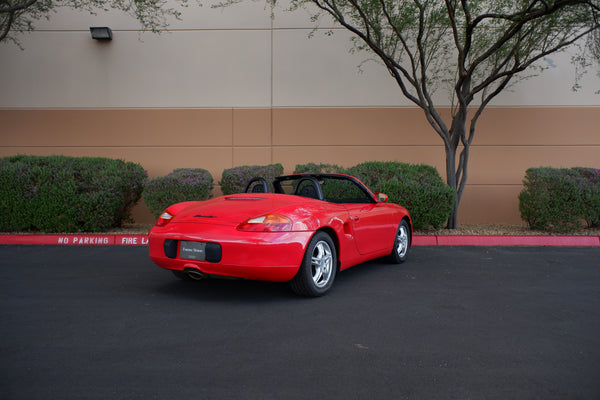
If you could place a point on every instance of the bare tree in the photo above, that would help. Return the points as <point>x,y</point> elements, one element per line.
<point>20,15</point>
<point>477,47</point>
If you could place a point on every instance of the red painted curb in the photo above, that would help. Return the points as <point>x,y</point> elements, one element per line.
<point>521,240</point>
<point>425,240</point>
<point>418,240</point>
<point>76,240</point>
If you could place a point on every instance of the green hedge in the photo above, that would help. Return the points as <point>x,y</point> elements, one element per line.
<point>591,195</point>
<point>183,184</point>
<point>234,180</point>
<point>67,194</point>
<point>560,199</point>
<point>419,188</point>
<point>316,168</point>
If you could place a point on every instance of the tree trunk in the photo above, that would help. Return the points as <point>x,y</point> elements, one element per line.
<point>455,172</point>
<point>452,182</point>
<point>452,220</point>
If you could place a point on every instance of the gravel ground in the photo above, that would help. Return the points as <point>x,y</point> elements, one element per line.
<point>464,229</point>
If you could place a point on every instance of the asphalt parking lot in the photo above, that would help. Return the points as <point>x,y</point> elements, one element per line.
<point>451,323</point>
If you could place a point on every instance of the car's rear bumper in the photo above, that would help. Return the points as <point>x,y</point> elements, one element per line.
<point>268,256</point>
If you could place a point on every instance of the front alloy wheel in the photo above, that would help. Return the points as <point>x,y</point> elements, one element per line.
<point>401,243</point>
<point>317,272</point>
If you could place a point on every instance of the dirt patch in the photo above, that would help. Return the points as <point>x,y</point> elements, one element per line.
<point>131,229</point>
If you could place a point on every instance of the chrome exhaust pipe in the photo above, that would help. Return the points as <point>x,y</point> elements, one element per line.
<point>195,274</point>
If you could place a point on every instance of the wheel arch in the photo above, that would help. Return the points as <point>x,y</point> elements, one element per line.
<point>336,242</point>
<point>409,222</point>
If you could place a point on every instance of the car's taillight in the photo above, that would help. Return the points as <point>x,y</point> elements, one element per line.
<point>267,223</point>
<point>164,219</point>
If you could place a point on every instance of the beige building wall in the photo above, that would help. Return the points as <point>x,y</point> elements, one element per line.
<point>234,87</point>
<point>509,141</point>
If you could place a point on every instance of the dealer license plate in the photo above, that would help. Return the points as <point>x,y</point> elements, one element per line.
<point>192,250</point>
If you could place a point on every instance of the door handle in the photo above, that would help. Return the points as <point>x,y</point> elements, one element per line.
<point>354,218</point>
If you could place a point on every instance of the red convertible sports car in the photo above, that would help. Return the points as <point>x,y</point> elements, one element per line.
<point>303,228</point>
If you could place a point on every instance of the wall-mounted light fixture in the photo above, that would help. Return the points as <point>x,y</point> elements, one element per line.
<point>101,32</point>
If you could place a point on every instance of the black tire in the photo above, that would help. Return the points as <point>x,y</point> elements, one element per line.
<point>401,243</point>
<point>319,265</point>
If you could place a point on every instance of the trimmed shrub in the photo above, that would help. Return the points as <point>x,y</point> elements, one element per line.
<point>317,168</point>
<point>591,195</point>
<point>67,194</point>
<point>418,187</point>
<point>234,180</point>
<point>183,184</point>
<point>334,190</point>
<point>429,202</point>
<point>559,199</point>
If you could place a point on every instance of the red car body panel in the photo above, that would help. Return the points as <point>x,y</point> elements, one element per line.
<point>361,232</point>
<point>271,256</point>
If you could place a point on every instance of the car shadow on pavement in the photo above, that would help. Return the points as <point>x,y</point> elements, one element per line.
<point>241,290</point>
<point>226,290</point>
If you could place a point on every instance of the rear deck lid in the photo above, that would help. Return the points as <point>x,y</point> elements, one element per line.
<point>234,209</point>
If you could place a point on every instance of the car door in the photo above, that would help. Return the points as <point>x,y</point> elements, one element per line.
<point>373,225</point>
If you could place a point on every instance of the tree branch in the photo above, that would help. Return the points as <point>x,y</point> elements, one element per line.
<point>6,7</point>
<point>520,67</point>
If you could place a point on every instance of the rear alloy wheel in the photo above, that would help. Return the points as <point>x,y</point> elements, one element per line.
<point>401,243</point>
<point>317,272</point>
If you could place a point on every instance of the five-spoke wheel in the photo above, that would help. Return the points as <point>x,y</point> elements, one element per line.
<point>317,272</point>
<point>401,243</point>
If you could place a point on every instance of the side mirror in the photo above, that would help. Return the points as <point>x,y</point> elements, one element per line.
<point>381,197</point>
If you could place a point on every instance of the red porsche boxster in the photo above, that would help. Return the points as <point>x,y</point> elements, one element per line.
<point>302,228</point>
